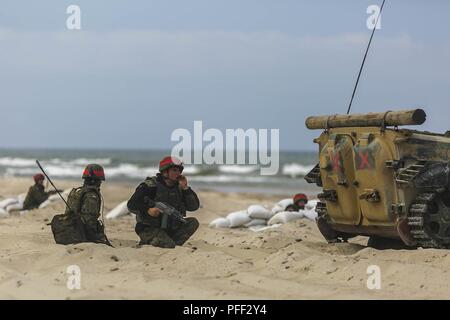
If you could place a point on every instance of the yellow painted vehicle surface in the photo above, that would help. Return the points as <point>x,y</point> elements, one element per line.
<point>382,182</point>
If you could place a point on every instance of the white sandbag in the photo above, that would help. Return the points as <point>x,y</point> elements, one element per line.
<point>276,208</point>
<point>7,202</point>
<point>238,218</point>
<point>310,214</point>
<point>220,223</point>
<point>311,205</point>
<point>119,211</point>
<point>284,203</point>
<point>45,204</point>
<point>284,217</point>
<point>3,213</point>
<point>262,228</point>
<point>256,222</point>
<point>21,197</point>
<point>257,211</point>
<point>14,207</point>
<point>54,197</point>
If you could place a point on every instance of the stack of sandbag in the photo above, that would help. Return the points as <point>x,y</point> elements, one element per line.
<point>258,217</point>
<point>119,211</point>
<point>11,204</point>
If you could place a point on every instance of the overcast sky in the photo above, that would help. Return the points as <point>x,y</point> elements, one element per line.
<point>137,70</point>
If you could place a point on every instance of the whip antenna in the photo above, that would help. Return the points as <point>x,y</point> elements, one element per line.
<point>364,59</point>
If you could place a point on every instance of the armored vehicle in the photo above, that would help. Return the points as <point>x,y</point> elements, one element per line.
<point>380,180</point>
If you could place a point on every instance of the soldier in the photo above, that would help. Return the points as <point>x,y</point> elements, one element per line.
<point>36,194</point>
<point>80,221</point>
<point>300,200</point>
<point>170,187</point>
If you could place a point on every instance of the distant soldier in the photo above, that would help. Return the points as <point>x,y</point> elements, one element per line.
<point>169,187</point>
<point>80,221</point>
<point>300,200</point>
<point>36,194</point>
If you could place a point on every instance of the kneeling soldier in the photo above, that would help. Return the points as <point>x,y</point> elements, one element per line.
<point>80,221</point>
<point>169,187</point>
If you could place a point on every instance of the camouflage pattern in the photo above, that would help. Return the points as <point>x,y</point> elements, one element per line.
<point>35,197</point>
<point>80,221</point>
<point>149,228</point>
<point>166,238</point>
<point>382,182</point>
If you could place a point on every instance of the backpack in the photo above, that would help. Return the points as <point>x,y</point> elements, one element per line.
<point>68,228</point>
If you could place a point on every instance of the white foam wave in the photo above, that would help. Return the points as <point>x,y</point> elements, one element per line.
<point>26,162</point>
<point>237,169</point>
<point>296,169</point>
<point>16,162</point>
<point>227,178</point>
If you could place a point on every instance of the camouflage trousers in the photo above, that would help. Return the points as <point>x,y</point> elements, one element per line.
<point>166,238</point>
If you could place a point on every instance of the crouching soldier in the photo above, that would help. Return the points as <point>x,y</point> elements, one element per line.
<point>169,187</point>
<point>80,221</point>
<point>299,202</point>
<point>36,194</point>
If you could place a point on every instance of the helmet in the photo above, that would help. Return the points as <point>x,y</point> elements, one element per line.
<point>169,162</point>
<point>300,196</point>
<point>94,171</point>
<point>38,177</point>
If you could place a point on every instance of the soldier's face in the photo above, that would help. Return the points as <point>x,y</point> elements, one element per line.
<point>173,173</point>
<point>41,182</point>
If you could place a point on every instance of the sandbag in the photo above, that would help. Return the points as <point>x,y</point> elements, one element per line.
<point>310,214</point>
<point>44,204</point>
<point>238,218</point>
<point>285,203</point>
<point>7,202</point>
<point>14,207</point>
<point>284,217</point>
<point>120,210</point>
<point>257,211</point>
<point>262,228</point>
<point>276,208</point>
<point>256,222</point>
<point>311,205</point>
<point>220,223</point>
<point>66,230</point>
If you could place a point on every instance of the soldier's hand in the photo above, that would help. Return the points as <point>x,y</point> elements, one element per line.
<point>154,212</point>
<point>182,180</point>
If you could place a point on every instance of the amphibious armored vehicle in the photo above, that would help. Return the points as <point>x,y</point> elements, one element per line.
<point>382,181</point>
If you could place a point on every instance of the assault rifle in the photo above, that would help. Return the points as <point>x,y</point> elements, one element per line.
<point>168,210</point>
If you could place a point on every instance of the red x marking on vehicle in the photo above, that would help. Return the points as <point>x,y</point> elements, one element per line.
<point>335,158</point>
<point>364,160</point>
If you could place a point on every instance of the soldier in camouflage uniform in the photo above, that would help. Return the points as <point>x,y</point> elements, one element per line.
<point>36,194</point>
<point>170,187</point>
<point>80,221</point>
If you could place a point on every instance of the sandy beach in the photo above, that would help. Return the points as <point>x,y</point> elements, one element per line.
<point>289,262</point>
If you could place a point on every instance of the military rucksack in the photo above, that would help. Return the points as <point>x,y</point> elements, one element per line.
<point>68,228</point>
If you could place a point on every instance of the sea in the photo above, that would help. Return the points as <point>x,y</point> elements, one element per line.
<point>135,165</point>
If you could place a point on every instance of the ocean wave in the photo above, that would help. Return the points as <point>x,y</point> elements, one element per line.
<point>236,169</point>
<point>296,169</point>
<point>27,162</point>
<point>230,178</point>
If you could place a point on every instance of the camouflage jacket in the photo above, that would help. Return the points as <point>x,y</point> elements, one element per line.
<point>35,196</point>
<point>152,190</point>
<point>85,202</point>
